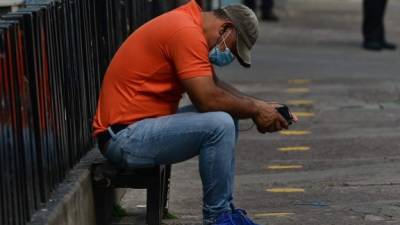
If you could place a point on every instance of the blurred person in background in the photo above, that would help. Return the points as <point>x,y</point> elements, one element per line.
<point>267,9</point>
<point>373,26</point>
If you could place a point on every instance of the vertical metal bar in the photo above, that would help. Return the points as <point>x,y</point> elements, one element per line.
<point>111,29</point>
<point>95,48</point>
<point>90,87</point>
<point>27,128</point>
<point>63,73</point>
<point>30,64</point>
<point>57,90</point>
<point>118,33</point>
<point>10,135</point>
<point>43,90</point>
<point>2,203</point>
<point>102,18</point>
<point>23,121</point>
<point>17,123</point>
<point>39,91</point>
<point>48,79</point>
<point>69,77</point>
<point>3,121</point>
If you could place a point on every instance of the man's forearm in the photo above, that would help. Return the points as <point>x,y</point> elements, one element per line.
<point>232,90</point>
<point>238,107</point>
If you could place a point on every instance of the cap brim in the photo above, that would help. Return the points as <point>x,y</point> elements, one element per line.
<point>244,52</point>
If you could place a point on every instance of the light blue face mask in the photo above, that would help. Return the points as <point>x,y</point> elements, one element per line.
<point>219,57</point>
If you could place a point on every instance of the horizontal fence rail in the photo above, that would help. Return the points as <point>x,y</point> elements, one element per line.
<point>53,54</point>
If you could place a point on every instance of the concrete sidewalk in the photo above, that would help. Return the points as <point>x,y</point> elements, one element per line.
<point>341,163</point>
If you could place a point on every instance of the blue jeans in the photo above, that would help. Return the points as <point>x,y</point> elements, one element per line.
<point>176,138</point>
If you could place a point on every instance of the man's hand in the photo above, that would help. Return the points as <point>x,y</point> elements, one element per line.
<point>268,119</point>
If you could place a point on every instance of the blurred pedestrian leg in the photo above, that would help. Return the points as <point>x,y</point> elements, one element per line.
<point>267,9</point>
<point>373,25</point>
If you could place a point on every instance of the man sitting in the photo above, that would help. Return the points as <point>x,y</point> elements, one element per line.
<point>138,123</point>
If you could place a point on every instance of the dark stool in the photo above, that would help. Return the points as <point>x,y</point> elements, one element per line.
<point>155,179</point>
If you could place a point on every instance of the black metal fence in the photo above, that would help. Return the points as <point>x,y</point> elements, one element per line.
<point>52,57</point>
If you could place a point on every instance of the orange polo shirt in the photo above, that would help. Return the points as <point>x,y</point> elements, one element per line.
<point>144,77</point>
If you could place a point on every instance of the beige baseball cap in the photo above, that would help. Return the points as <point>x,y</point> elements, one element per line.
<point>246,24</point>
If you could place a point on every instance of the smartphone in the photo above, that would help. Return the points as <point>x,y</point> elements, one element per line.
<point>284,111</point>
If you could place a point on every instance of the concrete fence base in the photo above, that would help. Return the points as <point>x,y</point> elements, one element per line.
<point>73,202</point>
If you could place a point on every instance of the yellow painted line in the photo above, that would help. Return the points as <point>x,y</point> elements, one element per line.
<point>297,90</point>
<point>284,167</point>
<point>304,114</point>
<point>285,190</point>
<point>295,132</point>
<point>294,149</point>
<point>275,214</point>
<point>300,102</point>
<point>299,81</point>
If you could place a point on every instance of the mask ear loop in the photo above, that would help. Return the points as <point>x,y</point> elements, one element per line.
<point>223,39</point>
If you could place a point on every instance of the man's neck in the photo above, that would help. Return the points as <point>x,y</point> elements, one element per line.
<point>209,25</point>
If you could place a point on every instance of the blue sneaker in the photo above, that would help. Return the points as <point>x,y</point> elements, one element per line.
<point>234,217</point>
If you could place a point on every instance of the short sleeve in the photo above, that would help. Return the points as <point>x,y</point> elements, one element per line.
<point>188,51</point>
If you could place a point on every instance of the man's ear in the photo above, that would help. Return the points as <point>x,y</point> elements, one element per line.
<point>222,29</point>
<point>225,27</point>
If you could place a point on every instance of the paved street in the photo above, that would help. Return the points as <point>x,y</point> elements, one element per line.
<point>340,165</point>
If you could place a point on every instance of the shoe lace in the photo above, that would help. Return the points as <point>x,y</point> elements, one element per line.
<point>243,216</point>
